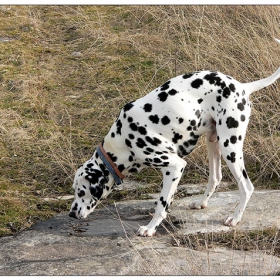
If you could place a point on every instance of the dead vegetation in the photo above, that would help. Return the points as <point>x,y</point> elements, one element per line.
<point>66,71</point>
<point>266,240</point>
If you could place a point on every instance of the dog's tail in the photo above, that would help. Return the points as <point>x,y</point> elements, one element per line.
<point>257,85</point>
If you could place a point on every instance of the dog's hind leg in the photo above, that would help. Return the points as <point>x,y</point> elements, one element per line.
<point>233,155</point>
<point>215,173</point>
<point>171,177</point>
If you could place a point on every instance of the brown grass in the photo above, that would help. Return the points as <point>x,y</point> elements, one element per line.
<point>68,70</point>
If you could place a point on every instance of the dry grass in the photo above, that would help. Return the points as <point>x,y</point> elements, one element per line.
<point>261,240</point>
<point>68,70</point>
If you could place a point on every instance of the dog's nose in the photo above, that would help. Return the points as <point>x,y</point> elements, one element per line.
<point>73,215</point>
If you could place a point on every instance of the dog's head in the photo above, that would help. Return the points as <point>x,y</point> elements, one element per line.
<point>89,185</point>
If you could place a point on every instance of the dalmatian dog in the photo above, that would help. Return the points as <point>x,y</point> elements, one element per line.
<point>163,127</point>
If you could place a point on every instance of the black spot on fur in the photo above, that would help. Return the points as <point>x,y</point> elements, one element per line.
<point>148,107</point>
<point>193,122</point>
<point>75,207</point>
<point>192,142</point>
<point>163,202</point>
<point>186,144</point>
<point>182,151</point>
<point>133,170</point>
<point>172,92</point>
<point>232,157</point>
<point>194,136</point>
<point>233,139</point>
<point>196,83</point>
<point>232,87</point>
<point>154,141</point>
<point>128,143</point>
<point>142,130</point>
<point>198,113</point>
<point>232,123</point>
<point>141,143</point>
<point>113,135</point>
<point>226,92</point>
<point>119,127</point>
<point>81,193</point>
<point>199,100</point>
<point>187,76</point>
<point>104,169</point>
<point>133,126</point>
<point>245,174</point>
<point>165,120</point>
<point>243,118</point>
<point>96,191</point>
<point>154,119</point>
<point>93,176</point>
<point>121,167</point>
<point>176,137</point>
<point>181,120</point>
<point>162,96</point>
<point>226,143</point>
<point>240,106</point>
<point>157,160</point>
<point>128,106</point>
<point>214,79</point>
<point>165,86</point>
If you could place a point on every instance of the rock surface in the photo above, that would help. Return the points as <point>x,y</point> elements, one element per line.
<point>105,243</point>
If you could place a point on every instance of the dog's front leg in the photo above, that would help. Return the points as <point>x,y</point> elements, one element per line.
<point>171,177</point>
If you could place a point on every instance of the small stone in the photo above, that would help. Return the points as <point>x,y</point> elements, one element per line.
<point>76,53</point>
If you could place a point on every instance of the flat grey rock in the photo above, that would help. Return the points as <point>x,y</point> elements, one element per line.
<point>262,211</point>
<point>106,244</point>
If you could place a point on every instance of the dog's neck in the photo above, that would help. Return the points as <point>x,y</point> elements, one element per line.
<point>112,151</point>
<point>117,153</point>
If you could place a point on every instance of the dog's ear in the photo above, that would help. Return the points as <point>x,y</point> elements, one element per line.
<point>93,176</point>
<point>96,191</point>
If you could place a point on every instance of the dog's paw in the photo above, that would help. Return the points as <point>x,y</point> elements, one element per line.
<point>197,205</point>
<point>231,222</point>
<point>145,231</point>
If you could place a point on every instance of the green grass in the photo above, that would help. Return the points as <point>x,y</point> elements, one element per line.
<point>55,107</point>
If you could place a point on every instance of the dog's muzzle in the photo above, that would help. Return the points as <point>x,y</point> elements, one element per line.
<point>73,215</point>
